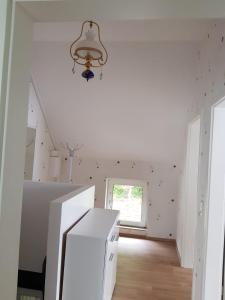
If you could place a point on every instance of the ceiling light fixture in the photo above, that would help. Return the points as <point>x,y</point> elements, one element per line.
<point>89,52</point>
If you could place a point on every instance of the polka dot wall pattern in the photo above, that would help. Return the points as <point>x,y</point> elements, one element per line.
<point>162,187</point>
<point>211,88</point>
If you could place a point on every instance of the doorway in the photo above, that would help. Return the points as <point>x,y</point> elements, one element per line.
<point>129,197</point>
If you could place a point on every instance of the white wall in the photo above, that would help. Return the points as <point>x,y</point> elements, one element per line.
<point>162,179</point>
<point>13,155</point>
<point>43,143</point>
<point>138,113</point>
<point>35,218</point>
<point>211,82</point>
<point>187,206</point>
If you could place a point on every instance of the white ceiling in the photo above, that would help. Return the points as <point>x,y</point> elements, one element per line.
<point>123,31</point>
<point>138,111</point>
<point>71,10</point>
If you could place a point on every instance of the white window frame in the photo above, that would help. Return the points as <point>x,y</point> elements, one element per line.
<point>110,182</point>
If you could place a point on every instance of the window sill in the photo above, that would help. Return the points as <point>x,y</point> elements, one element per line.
<point>133,227</point>
<point>133,231</point>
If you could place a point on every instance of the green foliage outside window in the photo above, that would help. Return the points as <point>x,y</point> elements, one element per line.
<point>137,192</point>
<point>119,191</point>
<point>122,191</point>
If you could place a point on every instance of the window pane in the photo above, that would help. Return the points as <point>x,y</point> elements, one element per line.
<point>128,200</point>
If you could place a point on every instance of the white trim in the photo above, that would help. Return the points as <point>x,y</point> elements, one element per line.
<point>215,258</point>
<point>14,150</point>
<point>188,231</point>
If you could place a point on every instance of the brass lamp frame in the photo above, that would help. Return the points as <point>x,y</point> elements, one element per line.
<point>89,61</point>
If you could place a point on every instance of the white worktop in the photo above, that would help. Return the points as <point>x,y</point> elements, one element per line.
<point>96,224</point>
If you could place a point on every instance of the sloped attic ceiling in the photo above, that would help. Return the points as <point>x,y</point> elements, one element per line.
<point>140,109</point>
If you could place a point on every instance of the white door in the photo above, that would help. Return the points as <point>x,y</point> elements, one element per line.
<point>187,217</point>
<point>129,196</point>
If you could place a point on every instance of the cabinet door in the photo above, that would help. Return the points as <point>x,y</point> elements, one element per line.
<point>111,263</point>
<point>107,293</point>
<point>114,262</point>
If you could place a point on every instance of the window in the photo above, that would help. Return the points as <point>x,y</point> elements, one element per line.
<point>129,197</point>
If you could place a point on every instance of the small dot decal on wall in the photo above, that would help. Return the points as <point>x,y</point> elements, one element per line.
<point>152,169</point>
<point>160,183</point>
<point>158,217</point>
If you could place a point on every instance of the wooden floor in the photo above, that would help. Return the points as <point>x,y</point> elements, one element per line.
<point>149,270</point>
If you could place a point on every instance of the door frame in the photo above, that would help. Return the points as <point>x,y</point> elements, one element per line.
<point>5,38</point>
<point>215,220</point>
<point>14,101</point>
<point>189,214</point>
<point>110,182</point>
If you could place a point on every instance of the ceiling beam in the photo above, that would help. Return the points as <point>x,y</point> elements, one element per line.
<point>46,11</point>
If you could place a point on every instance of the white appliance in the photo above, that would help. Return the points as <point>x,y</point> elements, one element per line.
<point>91,257</point>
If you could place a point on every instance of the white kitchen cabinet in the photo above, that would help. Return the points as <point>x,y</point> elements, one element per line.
<point>91,257</point>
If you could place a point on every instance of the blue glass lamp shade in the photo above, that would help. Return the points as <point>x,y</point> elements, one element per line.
<point>88,74</point>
